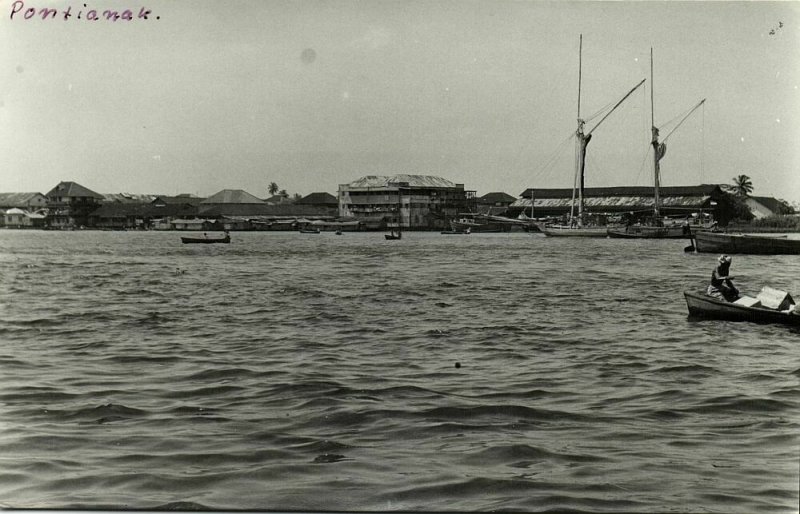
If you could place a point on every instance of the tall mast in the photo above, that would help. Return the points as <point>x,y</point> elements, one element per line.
<point>580,140</point>
<point>657,153</point>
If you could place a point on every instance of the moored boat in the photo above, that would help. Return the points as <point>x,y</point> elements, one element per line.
<point>566,231</point>
<point>717,242</point>
<point>658,227</point>
<point>704,306</point>
<point>577,226</point>
<point>205,240</point>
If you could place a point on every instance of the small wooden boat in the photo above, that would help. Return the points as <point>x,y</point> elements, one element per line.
<point>704,306</point>
<point>310,231</point>
<point>206,240</point>
<point>394,235</point>
<point>715,242</point>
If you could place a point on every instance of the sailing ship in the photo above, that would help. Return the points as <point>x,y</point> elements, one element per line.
<point>659,228</point>
<point>577,226</point>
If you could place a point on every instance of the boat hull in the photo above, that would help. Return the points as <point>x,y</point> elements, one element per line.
<point>714,242</point>
<point>575,232</point>
<point>203,240</point>
<point>635,232</point>
<point>704,306</point>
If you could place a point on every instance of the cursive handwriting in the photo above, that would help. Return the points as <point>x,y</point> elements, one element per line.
<point>20,11</point>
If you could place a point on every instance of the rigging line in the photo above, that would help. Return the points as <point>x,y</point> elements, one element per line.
<point>703,145</point>
<point>556,154</point>
<point>685,115</point>
<point>702,102</point>
<point>642,165</point>
<point>599,112</point>
<point>665,125</point>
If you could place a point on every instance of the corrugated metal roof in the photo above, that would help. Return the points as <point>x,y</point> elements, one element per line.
<point>128,198</point>
<point>616,202</point>
<point>382,181</point>
<point>701,190</point>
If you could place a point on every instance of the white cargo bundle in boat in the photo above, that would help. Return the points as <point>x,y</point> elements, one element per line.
<point>774,298</point>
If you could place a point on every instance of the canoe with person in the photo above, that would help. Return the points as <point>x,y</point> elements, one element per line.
<point>722,300</point>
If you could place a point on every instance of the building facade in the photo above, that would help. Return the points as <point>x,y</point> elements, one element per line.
<point>412,201</point>
<point>634,202</point>
<point>70,204</point>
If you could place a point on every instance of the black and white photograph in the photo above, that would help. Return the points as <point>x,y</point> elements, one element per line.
<point>400,255</point>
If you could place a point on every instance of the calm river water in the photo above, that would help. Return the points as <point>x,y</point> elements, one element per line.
<point>288,371</point>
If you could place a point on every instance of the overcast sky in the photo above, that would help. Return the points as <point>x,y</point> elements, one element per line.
<point>313,94</point>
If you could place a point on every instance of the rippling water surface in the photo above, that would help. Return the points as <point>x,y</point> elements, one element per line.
<point>320,372</point>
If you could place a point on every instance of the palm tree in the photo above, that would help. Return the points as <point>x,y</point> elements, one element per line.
<point>742,185</point>
<point>272,188</point>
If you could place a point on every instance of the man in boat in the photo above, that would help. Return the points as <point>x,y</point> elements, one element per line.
<point>721,282</point>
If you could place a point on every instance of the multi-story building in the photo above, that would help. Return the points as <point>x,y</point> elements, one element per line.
<point>413,201</point>
<point>69,205</point>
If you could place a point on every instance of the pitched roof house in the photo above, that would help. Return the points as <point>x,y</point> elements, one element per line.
<point>29,201</point>
<point>765,206</point>
<point>228,196</point>
<point>69,205</point>
<point>319,199</point>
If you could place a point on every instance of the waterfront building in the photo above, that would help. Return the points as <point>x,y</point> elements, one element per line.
<point>32,205</point>
<point>765,206</point>
<point>19,218</point>
<point>413,201</point>
<point>635,202</point>
<point>69,205</point>
<point>494,203</point>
